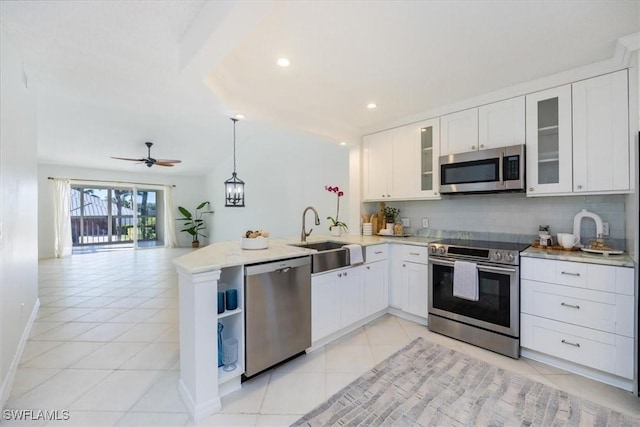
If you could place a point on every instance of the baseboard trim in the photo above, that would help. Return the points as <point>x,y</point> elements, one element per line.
<point>7,383</point>
<point>201,411</point>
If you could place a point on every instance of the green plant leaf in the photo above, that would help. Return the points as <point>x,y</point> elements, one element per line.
<point>185,212</point>
<point>202,205</point>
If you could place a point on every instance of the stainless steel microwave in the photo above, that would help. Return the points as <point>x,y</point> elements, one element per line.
<point>483,171</point>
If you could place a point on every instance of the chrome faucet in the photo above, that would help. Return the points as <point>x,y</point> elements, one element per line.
<point>303,236</point>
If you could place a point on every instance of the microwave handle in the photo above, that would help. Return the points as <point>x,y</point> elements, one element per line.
<point>501,169</point>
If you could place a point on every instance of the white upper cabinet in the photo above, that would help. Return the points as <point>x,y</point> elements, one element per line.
<point>427,137</point>
<point>549,161</point>
<point>601,134</point>
<point>376,167</point>
<point>501,124</point>
<point>402,163</point>
<point>578,138</point>
<point>459,132</point>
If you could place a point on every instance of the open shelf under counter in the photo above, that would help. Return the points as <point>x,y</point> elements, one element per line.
<point>228,313</point>
<point>224,376</point>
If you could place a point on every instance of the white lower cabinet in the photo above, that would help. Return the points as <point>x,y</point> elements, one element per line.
<point>376,292</point>
<point>579,312</point>
<point>337,301</point>
<point>410,279</point>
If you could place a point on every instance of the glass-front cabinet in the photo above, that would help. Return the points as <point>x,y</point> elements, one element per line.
<point>429,141</point>
<point>549,136</point>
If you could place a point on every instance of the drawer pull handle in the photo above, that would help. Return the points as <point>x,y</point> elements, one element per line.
<point>575,344</point>
<point>377,252</point>
<point>571,274</point>
<point>414,253</point>
<point>564,304</point>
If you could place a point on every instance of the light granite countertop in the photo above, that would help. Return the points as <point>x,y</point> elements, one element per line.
<point>622,260</point>
<point>229,254</point>
<point>220,255</point>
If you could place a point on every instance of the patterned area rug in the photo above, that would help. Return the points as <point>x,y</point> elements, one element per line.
<point>431,385</point>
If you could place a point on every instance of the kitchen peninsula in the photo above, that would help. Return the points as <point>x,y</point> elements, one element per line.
<point>219,267</point>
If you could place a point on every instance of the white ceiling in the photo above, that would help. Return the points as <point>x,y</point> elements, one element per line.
<point>111,75</point>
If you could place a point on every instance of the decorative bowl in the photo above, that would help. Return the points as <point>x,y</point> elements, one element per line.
<point>255,243</point>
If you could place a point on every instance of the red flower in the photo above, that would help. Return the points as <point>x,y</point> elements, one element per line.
<point>340,193</point>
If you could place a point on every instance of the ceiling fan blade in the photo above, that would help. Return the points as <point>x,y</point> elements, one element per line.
<point>125,158</point>
<point>159,163</point>
<point>168,161</point>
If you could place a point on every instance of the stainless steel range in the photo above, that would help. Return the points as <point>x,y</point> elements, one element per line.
<point>491,321</point>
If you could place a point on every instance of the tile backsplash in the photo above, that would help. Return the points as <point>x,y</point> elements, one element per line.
<point>512,213</point>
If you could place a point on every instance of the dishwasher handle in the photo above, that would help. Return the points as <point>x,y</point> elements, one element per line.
<point>279,266</point>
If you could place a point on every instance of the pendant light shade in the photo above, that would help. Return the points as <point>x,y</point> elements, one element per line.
<point>234,186</point>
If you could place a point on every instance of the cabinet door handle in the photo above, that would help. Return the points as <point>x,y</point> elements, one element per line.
<point>530,189</point>
<point>339,274</point>
<point>377,252</point>
<point>575,344</point>
<point>368,268</point>
<point>564,304</point>
<point>579,187</point>
<point>414,253</point>
<point>345,274</point>
<point>481,145</point>
<point>404,265</point>
<point>570,274</point>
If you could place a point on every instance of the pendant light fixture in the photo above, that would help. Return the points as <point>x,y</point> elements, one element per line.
<point>234,186</point>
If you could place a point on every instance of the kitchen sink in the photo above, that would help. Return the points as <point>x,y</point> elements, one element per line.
<point>321,246</point>
<point>330,255</point>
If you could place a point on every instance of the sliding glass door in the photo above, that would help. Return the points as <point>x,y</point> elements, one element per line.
<point>115,217</point>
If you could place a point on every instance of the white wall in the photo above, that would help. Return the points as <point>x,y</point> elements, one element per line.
<point>513,213</point>
<point>283,175</point>
<point>189,192</point>
<point>18,212</point>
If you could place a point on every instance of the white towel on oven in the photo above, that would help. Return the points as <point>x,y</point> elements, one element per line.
<point>465,280</point>
<point>355,254</point>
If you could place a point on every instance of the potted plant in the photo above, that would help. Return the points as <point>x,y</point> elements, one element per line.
<point>336,226</point>
<point>391,214</point>
<point>193,223</point>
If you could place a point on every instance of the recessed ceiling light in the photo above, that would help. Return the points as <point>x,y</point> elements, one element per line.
<point>239,116</point>
<point>283,62</point>
<point>343,143</point>
<point>371,105</point>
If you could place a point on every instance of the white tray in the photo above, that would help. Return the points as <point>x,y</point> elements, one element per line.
<point>600,251</point>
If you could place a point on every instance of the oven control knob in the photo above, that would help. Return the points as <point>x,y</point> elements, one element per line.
<point>432,249</point>
<point>441,250</point>
<point>497,255</point>
<point>509,257</point>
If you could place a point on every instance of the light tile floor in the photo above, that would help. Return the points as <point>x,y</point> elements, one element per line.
<point>105,347</point>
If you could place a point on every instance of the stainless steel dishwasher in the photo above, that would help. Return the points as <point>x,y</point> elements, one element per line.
<point>277,312</point>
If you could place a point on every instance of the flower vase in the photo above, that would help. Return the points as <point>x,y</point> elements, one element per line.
<point>336,231</point>
<point>220,327</point>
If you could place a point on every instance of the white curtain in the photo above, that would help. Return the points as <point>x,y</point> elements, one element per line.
<point>170,222</point>
<point>62,217</point>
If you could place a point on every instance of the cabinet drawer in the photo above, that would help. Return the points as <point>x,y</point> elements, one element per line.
<point>606,278</point>
<point>571,273</point>
<point>418,254</point>
<point>376,253</point>
<point>599,350</point>
<point>581,307</point>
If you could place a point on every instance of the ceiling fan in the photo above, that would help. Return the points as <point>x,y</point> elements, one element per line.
<point>150,161</point>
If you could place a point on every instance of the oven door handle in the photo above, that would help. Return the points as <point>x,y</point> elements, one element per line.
<point>481,267</point>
